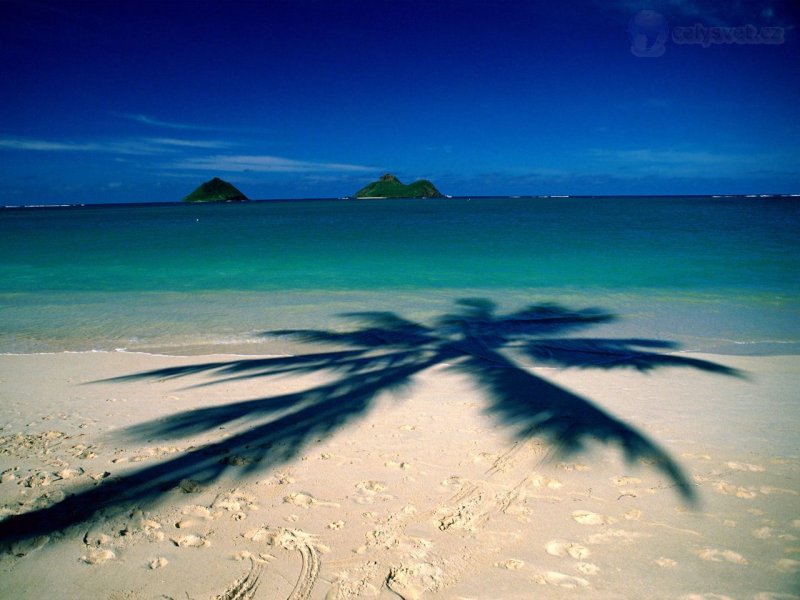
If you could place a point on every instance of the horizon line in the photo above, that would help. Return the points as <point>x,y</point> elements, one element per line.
<point>447,197</point>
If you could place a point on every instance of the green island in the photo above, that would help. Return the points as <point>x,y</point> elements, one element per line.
<point>216,190</point>
<point>388,186</point>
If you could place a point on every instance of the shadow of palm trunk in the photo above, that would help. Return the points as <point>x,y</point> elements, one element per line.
<point>304,416</point>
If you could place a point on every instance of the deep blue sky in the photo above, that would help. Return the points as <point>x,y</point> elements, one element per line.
<point>112,101</point>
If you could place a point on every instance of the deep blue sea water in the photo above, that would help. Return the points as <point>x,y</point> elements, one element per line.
<point>716,274</point>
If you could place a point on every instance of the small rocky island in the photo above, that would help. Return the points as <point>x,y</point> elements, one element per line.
<point>216,190</point>
<point>388,186</point>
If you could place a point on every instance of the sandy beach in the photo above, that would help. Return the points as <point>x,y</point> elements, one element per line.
<point>429,490</point>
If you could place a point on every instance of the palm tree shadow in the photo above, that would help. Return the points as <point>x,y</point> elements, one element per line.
<point>382,355</point>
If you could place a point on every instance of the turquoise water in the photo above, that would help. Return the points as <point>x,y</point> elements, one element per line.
<point>715,273</point>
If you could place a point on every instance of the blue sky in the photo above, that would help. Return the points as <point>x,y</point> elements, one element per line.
<point>122,101</point>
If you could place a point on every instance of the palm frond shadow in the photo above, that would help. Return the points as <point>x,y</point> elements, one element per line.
<point>385,353</point>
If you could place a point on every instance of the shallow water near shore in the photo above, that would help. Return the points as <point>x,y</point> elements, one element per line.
<point>714,274</point>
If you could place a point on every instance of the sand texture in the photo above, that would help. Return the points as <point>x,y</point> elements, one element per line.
<point>224,477</point>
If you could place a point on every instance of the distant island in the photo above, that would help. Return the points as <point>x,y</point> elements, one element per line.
<point>388,186</point>
<point>216,190</point>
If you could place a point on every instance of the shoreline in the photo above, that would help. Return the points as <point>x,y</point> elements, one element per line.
<point>183,324</point>
<point>429,491</point>
<point>299,348</point>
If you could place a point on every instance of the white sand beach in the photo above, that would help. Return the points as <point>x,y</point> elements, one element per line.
<point>428,492</point>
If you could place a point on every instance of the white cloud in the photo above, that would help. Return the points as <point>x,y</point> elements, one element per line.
<point>262,164</point>
<point>28,144</point>
<point>190,143</point>
<point>139,146</point>
<point>153,122</point>
<point>144,119</point>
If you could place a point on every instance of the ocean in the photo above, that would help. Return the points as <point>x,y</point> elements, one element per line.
<point>713,274</point>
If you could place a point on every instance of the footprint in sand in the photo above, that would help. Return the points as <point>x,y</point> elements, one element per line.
<point>256,535</point>
<point>666,563</point>
<point>149,527</point>
<point>614,535</point>
<point>561,580</point>
<point>540,481</point>
<point>190,486</point>
<point>201,512</point>
<point>387,533</point>
<point>97,556</point>
<point>588,568</point>
<point>728,489</point>
<point>69,473</point>
<point>736,466</point>
<point>357,582</point>
<point>185,523</point>
<point>763,533</point>
<point>299,499</point>
<point>585,517</point>
<point>563,548</point>
<point>412,582</point>
<point>306,500</point>
<point>158,563</point>
<point>336,525</point>
<point>368,492</point>
<point>788,565</point>
<point>235,501</point>
<point>715,555</point>
<point>96,538</point>
<point>279,478</point>
<point>512,564</point>
<point>190,541</point>
<point>41,479</point>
